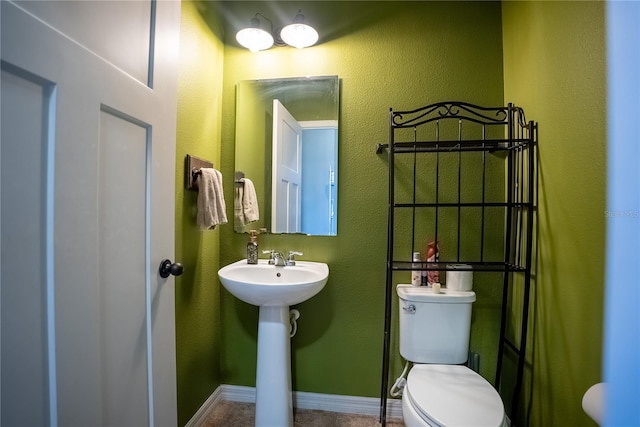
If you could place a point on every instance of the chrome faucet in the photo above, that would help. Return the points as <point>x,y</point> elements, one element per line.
<point>277,258</point>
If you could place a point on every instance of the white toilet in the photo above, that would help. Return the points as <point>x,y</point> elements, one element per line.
<point>434,335</point>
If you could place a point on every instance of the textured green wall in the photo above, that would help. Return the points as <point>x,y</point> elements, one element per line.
<point>198,323</point>
<point>401,55</point>
<point>554,62</point>
<point>253,133</point>
<point>387,54</point>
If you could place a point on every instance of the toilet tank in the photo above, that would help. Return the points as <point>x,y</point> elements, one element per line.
<point>434,328</point>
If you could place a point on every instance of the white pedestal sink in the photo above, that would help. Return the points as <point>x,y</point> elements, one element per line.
<point>274,289</point>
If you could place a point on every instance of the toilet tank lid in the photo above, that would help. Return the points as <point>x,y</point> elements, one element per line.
<point>425,294</point>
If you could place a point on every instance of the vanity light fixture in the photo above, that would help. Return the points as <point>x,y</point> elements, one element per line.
<point>255,38</point>
<point>298,34</point>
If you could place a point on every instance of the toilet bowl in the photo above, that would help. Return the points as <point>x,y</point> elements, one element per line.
<point>450,396</point>
<point>434,335</point>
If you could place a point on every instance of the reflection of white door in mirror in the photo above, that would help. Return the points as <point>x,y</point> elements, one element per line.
<point>287,171</point>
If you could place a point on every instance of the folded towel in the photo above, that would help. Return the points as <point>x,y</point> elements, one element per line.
<point>245,204</point>
<point>250,202</point>
<point>211,205</point>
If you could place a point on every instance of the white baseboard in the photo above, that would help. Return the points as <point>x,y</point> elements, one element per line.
<point>199,418</point>
<point>346,404</point>
<point>301,400</point>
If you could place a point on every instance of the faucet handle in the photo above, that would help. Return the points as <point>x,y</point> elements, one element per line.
<point>271,253</point>
<point>292,260</point>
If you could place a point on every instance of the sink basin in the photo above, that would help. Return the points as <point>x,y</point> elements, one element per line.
<point>263,284</point>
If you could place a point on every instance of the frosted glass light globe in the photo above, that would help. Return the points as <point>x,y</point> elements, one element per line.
<point>254,39</point>
<point>299,35</point>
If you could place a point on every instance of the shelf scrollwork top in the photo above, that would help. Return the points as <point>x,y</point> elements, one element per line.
<point>453,110</point>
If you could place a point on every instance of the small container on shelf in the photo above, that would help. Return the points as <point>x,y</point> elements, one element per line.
<point>416,274</point>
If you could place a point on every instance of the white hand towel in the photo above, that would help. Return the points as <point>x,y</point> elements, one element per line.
<point>245,204</point>
<point>211,205</point>
<point>238,213</point>
<point>250,202</point>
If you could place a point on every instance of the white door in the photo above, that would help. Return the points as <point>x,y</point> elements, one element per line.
<point>286,171</point>
<point>87,155</point>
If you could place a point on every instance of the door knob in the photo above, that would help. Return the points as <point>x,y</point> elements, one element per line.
<point>167,267</point>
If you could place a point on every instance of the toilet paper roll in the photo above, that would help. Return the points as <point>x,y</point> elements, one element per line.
<point>459,279</point>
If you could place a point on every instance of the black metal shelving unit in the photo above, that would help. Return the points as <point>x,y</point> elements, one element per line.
<point>463,153</point>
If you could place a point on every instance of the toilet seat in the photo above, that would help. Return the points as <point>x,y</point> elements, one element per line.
<point>453,395</point>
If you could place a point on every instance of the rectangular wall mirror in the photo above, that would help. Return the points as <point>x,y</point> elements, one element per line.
<point>287,155</point>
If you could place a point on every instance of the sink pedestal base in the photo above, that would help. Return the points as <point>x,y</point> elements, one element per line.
<point>274,405</point>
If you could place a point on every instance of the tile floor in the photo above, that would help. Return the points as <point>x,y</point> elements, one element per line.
<point>237,414</point>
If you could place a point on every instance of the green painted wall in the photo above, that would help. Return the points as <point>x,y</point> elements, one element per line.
<point>198,323</point>
<point>387,54</point>
<point>253,132</point>
<point>401,55</point>
<point>554,67</point>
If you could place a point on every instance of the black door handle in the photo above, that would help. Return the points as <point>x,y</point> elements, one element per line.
<point>167,267</point>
